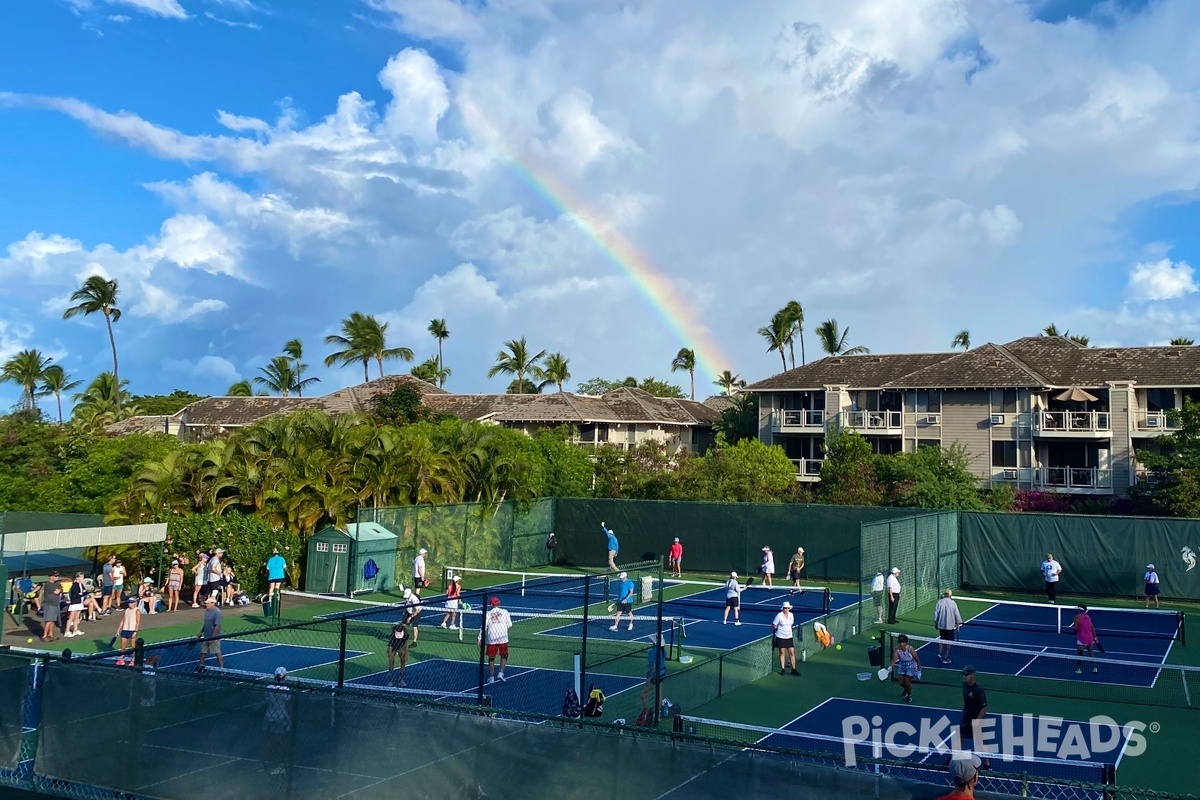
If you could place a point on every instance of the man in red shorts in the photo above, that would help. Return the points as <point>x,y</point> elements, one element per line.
<point>497,624</point>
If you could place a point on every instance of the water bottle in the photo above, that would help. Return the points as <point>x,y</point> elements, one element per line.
<point>666,708</point>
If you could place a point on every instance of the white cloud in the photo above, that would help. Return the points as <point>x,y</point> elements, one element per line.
<point>170,9</point>
<point>13,339</point>
<point>168,307</point>
<point>229,23</point>
<point>1161,280</point>
<point>419,94</point>
<point>1001,224</point>
<point>215,368</point>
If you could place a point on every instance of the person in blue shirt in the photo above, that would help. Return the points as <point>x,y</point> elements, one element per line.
<point>276,571</point>
<point>656,667</point>
<point>613,546</point>
<point>624,600</point>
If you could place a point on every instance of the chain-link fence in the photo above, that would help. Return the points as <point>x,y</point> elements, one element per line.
<point>923,547</point>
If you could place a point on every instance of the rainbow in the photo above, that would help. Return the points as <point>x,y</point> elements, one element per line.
<point>659,291</point>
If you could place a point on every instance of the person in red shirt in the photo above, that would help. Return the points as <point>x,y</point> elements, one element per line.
<point>965,774</point>
<point>675,558</point>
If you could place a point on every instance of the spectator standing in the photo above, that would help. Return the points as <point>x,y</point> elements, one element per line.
<point>418,570</point>
<point>733,600</point>
<point>783,630</point>
<point>106,584</point>
<point>118,574</point>
<point>216,575</point>
<point>174,585</point>
<point>877,587</point>
<point>75,604</point>
<point>199,578</point>
<point>675,558</point>
<point>496,626</point>
<point>51,610</point>
<point>1051,570</point>
<point>947,619</point>
<point>130,621</point>
<point>907,666</point>
<point>613,546</point>
<point>276,572</point>
<point>893,593</point>
<point>795,569</point>
<point>209,630</point>
<point>453,599</point>
<point>412,610</point>
<point>277,722</point>
<point>624,600</point>
<point>656,668</point>
<point>973,713</point>
<point>1152,586</point>
<point>768,566</point>
<point>964,772</point>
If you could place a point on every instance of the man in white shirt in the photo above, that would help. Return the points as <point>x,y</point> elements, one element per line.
<point>893,593</point>
<point>784,638</point>
<point>877,596</point>
<point>947,619</point>
<point>1051,569</point>
<point>412,610</point>
<point>419,573</point>
<point>733,598</point>
<point>496,625</point>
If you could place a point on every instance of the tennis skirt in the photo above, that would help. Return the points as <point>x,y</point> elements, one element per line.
<point>780,643</point>
<point>1152,589</point>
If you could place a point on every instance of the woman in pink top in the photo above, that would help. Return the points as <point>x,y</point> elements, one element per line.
<point>1085,637</point>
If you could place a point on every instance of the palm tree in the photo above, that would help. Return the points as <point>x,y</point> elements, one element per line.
<point>516,360</point>
<point>353,344</point>
<point>793,314</point>
<point>55,381</point>
<point>99,295</point>
<point>439,331</point>
<point>294,349</point>
<point>685,359</point>
<point>1182,341</point>
<point>962,339</point>
<point>556,370</point>
<point>27,369</point>
<point>429,371</point>
<point>728,382</point>
<point>277,376</point>
<point>1051,330</point>
<point>1078,338</point>
<point>240,389</point>
<point>374,335</point>
<point>833,340</point>
<point>776,335</point>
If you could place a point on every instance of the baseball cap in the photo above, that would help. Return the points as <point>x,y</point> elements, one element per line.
<point>457,578</point>
<point>1148,566</point>
<point>786,604</point>
<point>174,562</point>
<point>495,601</point>
<point>733,574</point>
<point>677,538</point>
<point>968,670</point>
<point>765,549</point>
<point>210,599</point>
<point>407,593</point>
<point>422,551</point>
<point>131,601</point>
<point>799,549</point>
<point>964,770</point>
<point>280,672</point>
<point>219,551</point>
<point>623,576</point>
<point>147,580</point>
<point>895,570</point>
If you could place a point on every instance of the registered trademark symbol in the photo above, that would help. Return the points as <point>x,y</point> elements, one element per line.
<point>1155,727</point>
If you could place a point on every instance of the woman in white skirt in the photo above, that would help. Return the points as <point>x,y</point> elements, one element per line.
<point>453,593</point>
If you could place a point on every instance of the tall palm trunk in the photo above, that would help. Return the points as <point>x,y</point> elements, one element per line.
<point>58,397</point>
<point>803,358</point>
<point>692,374</point>
<point>116,372</point>
<point>441,377</point>
<point>366,373</point>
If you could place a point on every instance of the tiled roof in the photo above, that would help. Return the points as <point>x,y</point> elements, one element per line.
<point>622,405</point>
<point>719,402</point>
<point>866,371</point>
<point>1094,366</point>
<point>143,424</point>
<point>986,366</point>
<point>235,411</point>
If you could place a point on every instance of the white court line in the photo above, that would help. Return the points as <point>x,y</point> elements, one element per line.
<point>1029,663</point>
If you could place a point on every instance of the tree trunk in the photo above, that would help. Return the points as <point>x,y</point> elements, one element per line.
<point>116,372</point>
<point>783,357</point>
<point>441,375</point>
<point>380,360</point>
<point>803,359</point>
<point>792,352</point>
<point>58,396</point>
<point>366,374</point>
<point>692,375</point>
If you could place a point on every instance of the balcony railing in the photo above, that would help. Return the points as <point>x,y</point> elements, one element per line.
<point>807,469</point>
<point>1073,478</point>
<point>1068,422</point>
<point>875,420</point>
<point>1153,421</point>
<point>799,418</point>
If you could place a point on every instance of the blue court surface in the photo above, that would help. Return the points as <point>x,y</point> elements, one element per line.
<point>703,614</point>
<point>1037,642</point>
<point>244,655</point>
<point>1050,748</point>
<point>526,689</point>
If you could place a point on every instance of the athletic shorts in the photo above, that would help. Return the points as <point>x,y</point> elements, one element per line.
<point>494,650</point>
<point>128,634</point>
<point>779,643</point>
<point>948,636</point>
<point>624,608</point>
<point>211,648</point>
<point>731,602</point>
<point>877,597</point>
<point>395,646</point>
<point>794,574</point>
<point>105,591</point>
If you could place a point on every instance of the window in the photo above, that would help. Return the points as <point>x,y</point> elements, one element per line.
<point>322,547</point>
<point>1160,399</point>
<point>1004,401</point>
<point>1004,454</point>
<point>341,548</point>
<point>925,401</point>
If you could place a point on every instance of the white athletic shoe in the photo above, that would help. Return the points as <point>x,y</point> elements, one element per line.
<point>442,625</point>
<point>500,675</point>
<point>612,627</point>
<point>629,628</point>
<point>453,627</point>
<point>737,622</point>
<point>491,679</point>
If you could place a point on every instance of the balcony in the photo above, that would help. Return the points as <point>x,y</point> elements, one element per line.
<point>1144,477</point>
<point>884,422</point>
<point>1073,480</point>
<point>1072,424</point>
<point>798,420</point>
<point>1152,423</point>
<point>808,469</point>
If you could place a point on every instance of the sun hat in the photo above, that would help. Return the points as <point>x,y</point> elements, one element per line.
<point>786,604</point>
<point>210,599</point>
<point>147,580</point>
<point>174,562</point>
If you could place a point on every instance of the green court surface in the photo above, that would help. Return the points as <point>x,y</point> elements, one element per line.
<point>776,700</point>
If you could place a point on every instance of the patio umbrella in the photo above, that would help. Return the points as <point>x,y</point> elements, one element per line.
<point>1076,395</point>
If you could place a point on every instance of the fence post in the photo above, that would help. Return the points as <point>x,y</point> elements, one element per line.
<point>482,646</point>
<point>720,674</point>
<point>659,650</point>
<point>342,653</point>
<point>587,594</point>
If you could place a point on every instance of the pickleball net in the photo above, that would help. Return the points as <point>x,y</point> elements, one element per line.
<point>753,599</point>
<point>1114,677</point>
<point>1110,622</point>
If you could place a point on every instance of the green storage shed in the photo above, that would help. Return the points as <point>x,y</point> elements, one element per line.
<point>361,558</point>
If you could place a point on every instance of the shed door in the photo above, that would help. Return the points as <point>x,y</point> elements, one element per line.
<point>328,570</point>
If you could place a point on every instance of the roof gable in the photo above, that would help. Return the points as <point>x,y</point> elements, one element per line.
<point>865,371</point>
<point>989,365</point>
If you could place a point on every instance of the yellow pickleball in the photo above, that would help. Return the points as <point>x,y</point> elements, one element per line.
<point>838,647</point>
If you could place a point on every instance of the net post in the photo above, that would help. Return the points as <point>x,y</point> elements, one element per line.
<point>720,674</point>
<point>139,652</point>
<point>578,675</point>
<point>658,645</point>
<point>341,679</point>
<point>1183,629</point>
<point>587,594</point>
<point>482,648</point>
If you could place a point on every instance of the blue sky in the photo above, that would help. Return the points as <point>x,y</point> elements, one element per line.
<point>253,171</point>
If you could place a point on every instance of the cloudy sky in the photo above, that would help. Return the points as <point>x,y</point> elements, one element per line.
<point>611,180</point>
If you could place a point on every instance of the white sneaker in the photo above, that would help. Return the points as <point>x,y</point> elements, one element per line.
<point>453,627</point>
<point>500,675</point>
<point>442,625</point>
<point>629,628</point>
<point>613,628</point>
<point>737,622</point>
<point>491,679</point>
